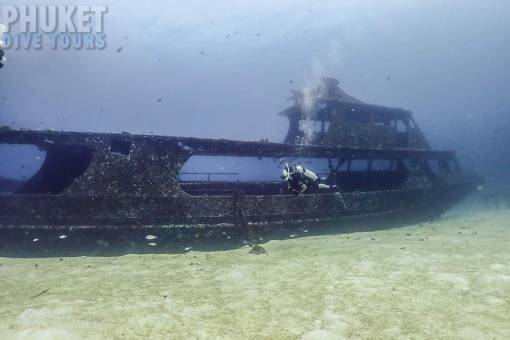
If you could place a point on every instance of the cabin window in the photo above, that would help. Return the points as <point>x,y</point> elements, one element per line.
<point>434,166</point>
<point>400,125</point>
<point>202,168</point>
<point>342,165</point>
<point>394,164</point>
<point>380,165</point>
<point>374,175</point>
<point>32,171</point>
<point>309,126</point>
<point>357,117</point>
<point>423,166</point>
<point>442,166</point>
<point>225,175</point>
<point>450,165</point>
<point>20,162</point>
<point>454,165</point>
<point>313,126</point>
<point>382,121</point>
<point>411,164</point>
<point>229,169</point>
<point>358,165</point>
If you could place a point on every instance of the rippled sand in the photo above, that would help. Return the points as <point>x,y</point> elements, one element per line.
<point>448,279</point>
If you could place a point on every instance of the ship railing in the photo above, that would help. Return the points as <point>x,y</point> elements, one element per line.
<point>209,174</point>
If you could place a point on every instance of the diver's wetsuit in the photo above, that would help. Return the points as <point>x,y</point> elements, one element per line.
<point>301,180</point>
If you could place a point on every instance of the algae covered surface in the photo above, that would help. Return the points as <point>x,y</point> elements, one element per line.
<point>447,279</point>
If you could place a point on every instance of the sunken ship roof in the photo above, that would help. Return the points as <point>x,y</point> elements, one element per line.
<point>316,103</point>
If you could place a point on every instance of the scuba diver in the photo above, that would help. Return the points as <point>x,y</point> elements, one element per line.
<point>301,180</point>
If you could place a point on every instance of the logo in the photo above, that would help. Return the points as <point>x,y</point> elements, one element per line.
<point>55,27</point>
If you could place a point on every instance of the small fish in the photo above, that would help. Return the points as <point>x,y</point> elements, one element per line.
<point>62,237</point>
<point>150,237</point>
<point>188,248</point>
<point>152,244</point>
<point>35,240</point>
<point>159,100</point>
<point>119,49</point>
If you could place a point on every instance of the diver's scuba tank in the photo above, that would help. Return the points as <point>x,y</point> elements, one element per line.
<point>309,175</point>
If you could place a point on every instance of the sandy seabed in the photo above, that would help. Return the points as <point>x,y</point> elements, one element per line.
<point>448,279</point>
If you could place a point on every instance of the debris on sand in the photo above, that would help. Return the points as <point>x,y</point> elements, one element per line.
<point>257,250</point>
<point>41,293</point>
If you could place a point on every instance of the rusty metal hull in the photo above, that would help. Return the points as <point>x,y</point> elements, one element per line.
<point>226,211</point>
<point>139,185</point>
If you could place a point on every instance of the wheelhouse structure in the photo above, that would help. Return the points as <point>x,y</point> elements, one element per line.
<point>378,158</point>
<point>326,115</point>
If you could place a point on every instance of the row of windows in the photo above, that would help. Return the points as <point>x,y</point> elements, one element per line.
<point>241,169</point>
<point>316,126</point>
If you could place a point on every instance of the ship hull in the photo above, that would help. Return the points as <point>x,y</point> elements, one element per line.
<point>100,180</point>
<point>225,211</point>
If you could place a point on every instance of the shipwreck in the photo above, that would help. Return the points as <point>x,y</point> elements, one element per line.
<point>379,160</point>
